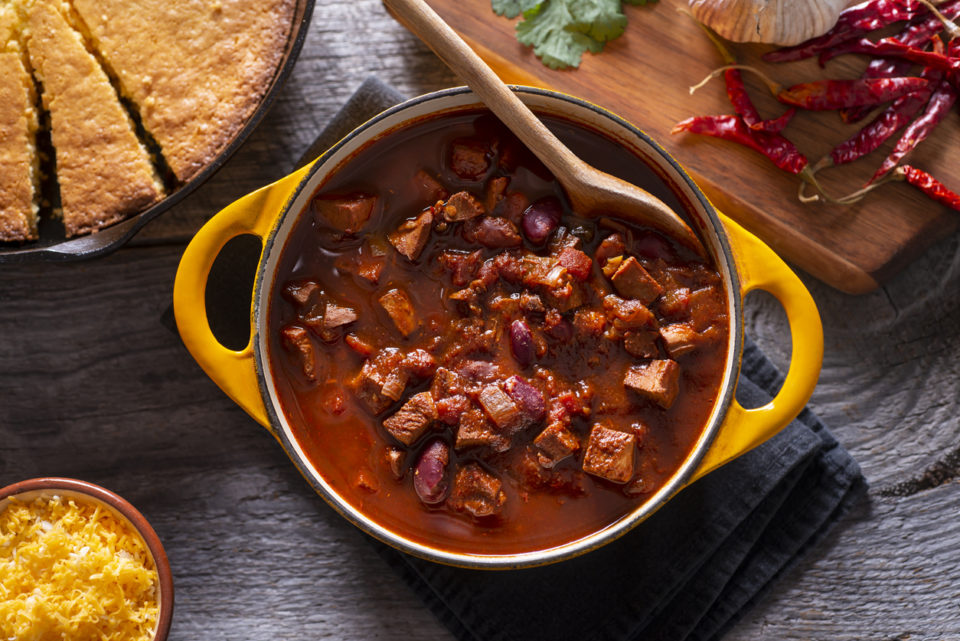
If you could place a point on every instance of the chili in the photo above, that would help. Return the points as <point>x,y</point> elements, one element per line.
<point>476,367</point>
<point>887,123</point>
<point>744,107</point>
<point>929,186</point>
<point>892,48</point>
<point>776,147</point>
<point>916,35</point>
<point>941,101</point>
<point>852,23</point>
<point>823,95</point>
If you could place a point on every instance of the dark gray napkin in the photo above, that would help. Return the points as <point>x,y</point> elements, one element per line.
<point>688,572</point>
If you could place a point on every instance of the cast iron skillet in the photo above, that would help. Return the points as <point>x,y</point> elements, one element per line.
<point>54,247</point>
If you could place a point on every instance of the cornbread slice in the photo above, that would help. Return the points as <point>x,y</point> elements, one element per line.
<point>18,156</point>
<point>104,172</point>
<point>19,167</point>
<point>194,69</point>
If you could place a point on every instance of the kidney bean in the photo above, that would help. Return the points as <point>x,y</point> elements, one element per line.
<point>521,342</point>
<point>541,219</point>
<point>430,475</point>
<point>527,397</point>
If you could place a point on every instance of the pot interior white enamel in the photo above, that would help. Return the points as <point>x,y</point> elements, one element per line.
<point>679,186</point>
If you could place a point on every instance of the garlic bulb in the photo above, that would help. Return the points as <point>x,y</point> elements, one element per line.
<point>779,22</point>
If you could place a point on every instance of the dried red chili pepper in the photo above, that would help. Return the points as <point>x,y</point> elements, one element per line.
<point>891,48</point>
<point>852,23</point>
<point>887,123</point>
<point>915,35</point>
<point>823,95</point>
<point>929,185</point>
<point>868,139</point>
<point>940,103</point>
<point>731,127</point>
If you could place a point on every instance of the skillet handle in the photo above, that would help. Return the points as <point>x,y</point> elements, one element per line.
<point>743,429</point>
<point>233,371</point>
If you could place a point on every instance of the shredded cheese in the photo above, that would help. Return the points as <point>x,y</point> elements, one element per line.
<point>72,570</point>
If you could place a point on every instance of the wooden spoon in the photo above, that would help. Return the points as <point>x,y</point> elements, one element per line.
<point>589,190</point>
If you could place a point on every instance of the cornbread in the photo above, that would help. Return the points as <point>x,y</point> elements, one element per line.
<point>194,69</point>
<point>19,173</point>
<point>103,170</point>
<point>70,569</point>
<point>129,90</point>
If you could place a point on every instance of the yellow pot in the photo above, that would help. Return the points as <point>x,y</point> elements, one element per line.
<point>744,262</point>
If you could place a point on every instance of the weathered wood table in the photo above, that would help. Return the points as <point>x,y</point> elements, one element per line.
<point>94,386</point>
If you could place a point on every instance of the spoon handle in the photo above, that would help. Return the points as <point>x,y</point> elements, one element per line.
<point>423,21</point>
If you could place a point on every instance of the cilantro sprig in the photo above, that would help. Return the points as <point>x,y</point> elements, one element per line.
<point>561,31</point>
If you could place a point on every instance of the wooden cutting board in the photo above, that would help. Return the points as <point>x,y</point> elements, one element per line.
<point>645,76</point>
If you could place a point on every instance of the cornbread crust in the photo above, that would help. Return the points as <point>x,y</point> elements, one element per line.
<point>194,69</point>
<point>103,170</point>
<point>18,171</point>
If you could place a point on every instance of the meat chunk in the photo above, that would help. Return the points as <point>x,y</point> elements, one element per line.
<point>609,454</point>
<point>299,292</point>
<point>413,419</point>
<point>428,187</point>
<point>610,247</point>
<point>641,343</point>
<point>337,316</point>
<point>496,233</point>
<point>461,265</point>
<point>565,481</point>
<point>577,263</point>
<point>445,383</point>
<point>399,307</point>
<point>629,314</point>
<point>375,373</point>
<point>419,363</point>
<point>500,408</point>
<point>531,303</point>
<point>658,380</point>
<point>512,207</point>
<point>296,339</point>
<point>451,408</point>
<point>347,214</point>
<point>476,491</point>
<point>462,206</point>
<point>478,371</point>
<point>555,443</point>
<point>411,237</point>
<point>679,339</point>
<point>566,297</point>
<point>631,280</point>
<point>475,430</point>
<point>394,384</point>
<point>589,322</point>
<point>468,158</point>
<point>367,262</point>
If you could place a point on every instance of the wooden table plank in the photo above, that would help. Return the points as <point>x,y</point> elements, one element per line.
<point>96,387</point>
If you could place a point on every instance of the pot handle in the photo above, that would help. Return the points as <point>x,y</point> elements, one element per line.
<point>744,429</point>
<point>233,371</point>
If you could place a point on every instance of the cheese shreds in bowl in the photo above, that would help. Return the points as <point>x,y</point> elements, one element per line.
<point>71,569</point>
